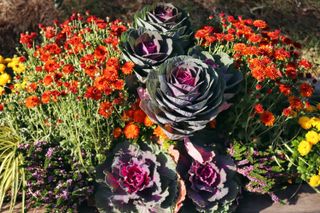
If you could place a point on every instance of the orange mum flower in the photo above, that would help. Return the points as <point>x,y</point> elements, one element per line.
<point>118,84</point>
<point>105,109</point>
<point>32,87</point>
<point>305,63</point>
<point>295,103</point>
<point>131,131</point>
<point>285,89</point>
<point>45,97</point>
<point>127,68</point>
<point>51,65</point>
<point>47,80</point>
<point>258,108</point>
<point>239,47</point>
<point>101,83</point>
<point>111,73</point>
<point>267,118</point>
<point>287,111</point>
<point>254,38</point>
<point>32,101</point>
<point>147,121</point>
<point>91,70</point>
<point>139,116</point>
<point>306,90</point>
<point>117,132</point>
<point>100,52</point>
<point>160,133</point>
<point>68,68</point>
<point>204,32</point>
<point>281,54</point>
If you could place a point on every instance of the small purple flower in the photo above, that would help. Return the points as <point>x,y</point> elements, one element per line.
<point>65,194</point>
<point>49,152</point>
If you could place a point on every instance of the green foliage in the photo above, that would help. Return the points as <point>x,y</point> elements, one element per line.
<point>261,169</point>
<point>12,176</point>
<point>307,165</point>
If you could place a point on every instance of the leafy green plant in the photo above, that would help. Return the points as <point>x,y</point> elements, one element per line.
<point>12,177</point>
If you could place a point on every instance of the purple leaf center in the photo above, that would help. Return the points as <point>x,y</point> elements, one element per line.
<point>148,47</point>
<point>164,13</point>
<point>134,177</point>
<point>184,76</point>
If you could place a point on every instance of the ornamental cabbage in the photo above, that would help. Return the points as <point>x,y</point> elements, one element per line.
<point>146,49</point>
<point>137,178</point>
<point>167,19</point>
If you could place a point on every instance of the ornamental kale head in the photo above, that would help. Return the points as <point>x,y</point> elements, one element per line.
<point>186,92</point>
<point>223,63</point>
<point>167,19</point>
<point>210,179</point>
<point>183,95</point>
<point>146,49</point>
<point>137,178</point>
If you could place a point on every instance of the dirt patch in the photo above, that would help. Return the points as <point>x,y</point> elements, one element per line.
<point>17,16</point>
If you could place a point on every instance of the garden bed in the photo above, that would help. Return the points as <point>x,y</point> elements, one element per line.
<point>157,115</point>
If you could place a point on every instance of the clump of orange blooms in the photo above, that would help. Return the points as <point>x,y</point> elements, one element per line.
<point>269,60</point>
<point>137,124</point>
<point>71,83</point>
<point>71,62</point>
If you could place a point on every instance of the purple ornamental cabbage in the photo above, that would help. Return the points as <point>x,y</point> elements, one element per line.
<point>146,49</point>
<point>182,96</point>
<point>167,19</point>
<point>210,179</point>
<point>186,92</point>
<point>224,66</point>
<point>137,179</point>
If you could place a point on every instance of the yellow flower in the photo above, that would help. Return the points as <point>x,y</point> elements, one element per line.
<point>314,181</point>
<point>315,122</point>
<point>304,147</point>
<point>20,86</point>
<point>17,67</point>
<point>305,122</point>
<point>4,79</point>
<point>7,60</point>
<point>1,59</point>
<point>312,137</point>
<point>2,67</point>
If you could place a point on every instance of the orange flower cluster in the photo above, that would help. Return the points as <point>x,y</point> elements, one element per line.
<point>270,58</point>
<point>69,61</point>
<point>134,119</point>
<point>137,123</point>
